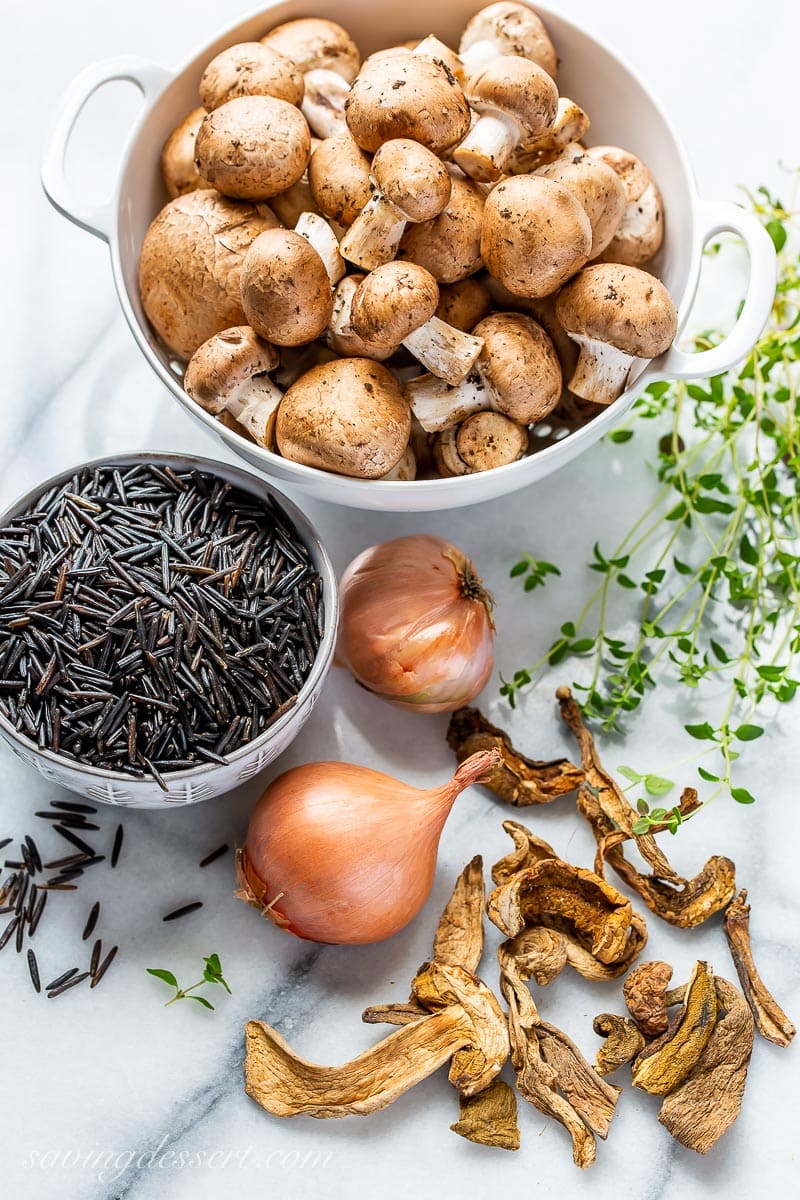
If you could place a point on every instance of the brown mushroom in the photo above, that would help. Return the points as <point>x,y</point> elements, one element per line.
<point>641,230</point>
<point>484,441</point>
<point>403,470</point>
<point>347,416</point>
<point>407,96</point>
<point>517,374</point>
<point>597,189</point>
<point>449,246</point>
<point>616,314</point>
<point>396,305</point>
<point>623,1042</point>
<point>439,51</point>
<point>338,176</point>
<point>341,336</point>
<point>464,304</point>
<point>517,102</point>
<point>190,266</point>
<point>178,168</point>
<point>231,373</point>
<point>506,28</point>
<point>253,147</point>
<point>329,60</point>
<point>286,287</point>
<point>535,235</point>
<point>250,69</point>
<point>645,992</point>
<point>411,185</point>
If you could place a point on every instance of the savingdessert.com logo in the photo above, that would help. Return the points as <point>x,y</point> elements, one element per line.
<point>111,1165</point>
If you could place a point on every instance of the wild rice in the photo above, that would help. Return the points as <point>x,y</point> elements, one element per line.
<point>91,921</point>
<point>33,968</point>
<point>214,855</point>
<point>184,911</point>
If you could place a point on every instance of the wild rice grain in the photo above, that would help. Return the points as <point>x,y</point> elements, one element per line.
<point>71,983</point>
<point>91,921</point>
<point>96,952</point>
<point>214,855</point>
<point>61,979</point>
<point>104,965</point>
<point>33,968</point>
<point>184,911</point>
<point>117,847</point>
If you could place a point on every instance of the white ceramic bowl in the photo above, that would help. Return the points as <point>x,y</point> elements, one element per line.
<point>210,779</point>
<point>623,113</point>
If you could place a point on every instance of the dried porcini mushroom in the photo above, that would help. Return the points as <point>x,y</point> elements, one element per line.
<point>528,851</point>
<point>771,1021</point>
<point>645,992</point>
<point>517,780</point>
<point>666,1062</point>
<point>490,1118</point>
<point>459,935</point>
<point>624,1040</point>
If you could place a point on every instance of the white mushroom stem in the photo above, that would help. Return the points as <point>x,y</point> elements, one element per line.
<point>323,102</point>
<point>447,352</point>
<point>342,338</point>
<point>374,237</point>
<point>255,405</point>
<point>290,205</point>
<point>405,469</point>
<point>316,230</point>
<point>489,143</point>
<point>478,56</point>
<point>437,406</point>
<point>601,372</point>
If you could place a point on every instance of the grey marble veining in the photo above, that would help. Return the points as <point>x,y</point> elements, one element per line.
<point>113,1073</point>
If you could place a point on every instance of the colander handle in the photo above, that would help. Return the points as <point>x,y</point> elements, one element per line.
<point>149,78</point>
<point>718,216</point>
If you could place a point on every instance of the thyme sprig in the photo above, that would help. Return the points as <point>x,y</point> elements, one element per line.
<point>212,973</point>
<point>714,560</point>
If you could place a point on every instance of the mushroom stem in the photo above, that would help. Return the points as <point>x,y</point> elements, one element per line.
<point>601,372</point>
<point>374,237</point>
<point>486,149</point>
<point>255,405</point>
<point>437,406</point>
<point>318,233</point>
<point>447,352</point>
<point>405,469</point>
<point>323,102</point>
<point>478,55</point>
<point>341,337</point>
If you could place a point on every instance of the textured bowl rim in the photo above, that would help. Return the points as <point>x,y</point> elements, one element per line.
<point>255,485</point>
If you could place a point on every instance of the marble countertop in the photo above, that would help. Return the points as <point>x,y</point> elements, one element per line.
<point>111,1072</point>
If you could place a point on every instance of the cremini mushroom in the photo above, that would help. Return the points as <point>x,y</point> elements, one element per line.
<point>506,28</point>
<point>484,441</point>
<point>405,469</point>
<point>396,305</point>
<point>439,51</point>
<point>598,190</point>
<point>231,373</point>
<point>535,235</point>
<point>178,168</point>
<point>411,185</point>
<point>250,69</point>
<point>517,374</point>
<point>190,266</point>
<point>253,147</point>
<point>517,102</point>
<point>287,281</point>
<point>329,60</point>
<point>616,314</point>
<point>341,336</point>
<point>449,246</point>
<point>406,96</point>
<point>348,416</point>
<point>571,124</point>
<point>338,176</point>
<point>464,304</point>
<point>641,230</point>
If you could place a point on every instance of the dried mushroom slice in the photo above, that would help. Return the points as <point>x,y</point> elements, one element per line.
<point>645,992</point>
<point>771,1021</point>
<point>392,1014</point>
<point>623,1042</point>
<point>528,851</point>
<point>705,1105</point>
<point>490,1118</point>
<point>711,890</point>
<point>665,1063</point>
<point>517,780</point>
<point>459,936</point>
<point>610,797</point>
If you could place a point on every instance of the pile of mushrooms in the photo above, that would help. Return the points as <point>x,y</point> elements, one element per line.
<point>404,267</point>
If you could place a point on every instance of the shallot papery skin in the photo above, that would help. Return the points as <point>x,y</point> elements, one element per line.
<point>343,854</point>
<point>416,625</point>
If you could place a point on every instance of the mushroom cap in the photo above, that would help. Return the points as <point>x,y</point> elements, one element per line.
<point>641,231</point>
<point>490,439</point>
<point>412,177</point>
<point>191,263</point>
<point>347,416</point>
<point>178,167</point>
<point>464,303</point>
<point>514,29</point>
<point>250,69</point>
<point>313,43</point>
<point>596,187</point>
<point>520,363</point>
<point>406,97</point>
<point>253,147</point>
<point>342,338</point>
<point>339,177</point>
<point>449,246</point>
<point>222,364</point>
<point>622,306</point>
<point>392,301</point>
<point>535,235</point>
<point>518,88</point>
<point>286,291</point>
